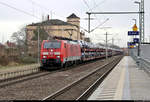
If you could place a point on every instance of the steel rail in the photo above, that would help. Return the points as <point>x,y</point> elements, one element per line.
<point>12,79</point>
<point>21,73</point>
<point>64,89</point>
<point>88,92</point>
<point>24,78</point>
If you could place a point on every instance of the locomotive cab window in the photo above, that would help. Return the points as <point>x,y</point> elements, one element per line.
<point>52,44</point>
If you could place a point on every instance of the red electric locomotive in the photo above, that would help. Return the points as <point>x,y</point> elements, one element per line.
<point>59,53</point>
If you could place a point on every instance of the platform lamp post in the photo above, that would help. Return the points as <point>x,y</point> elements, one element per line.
<point>38,44</point>
<point>139,3</point>
<point>140,31</point>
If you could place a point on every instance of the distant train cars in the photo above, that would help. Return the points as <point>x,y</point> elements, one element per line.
<point>66,52</point>
<point>90,51</point>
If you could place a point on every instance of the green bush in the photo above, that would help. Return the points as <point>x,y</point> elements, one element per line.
<point>4,60</point>
<point>28,60</point>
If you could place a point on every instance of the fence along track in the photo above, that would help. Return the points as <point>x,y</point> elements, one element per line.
<point>7,76</point>
<point>11,78</point>
<point>65,89</point>
<point>22,79</point>
<point>16,74</point>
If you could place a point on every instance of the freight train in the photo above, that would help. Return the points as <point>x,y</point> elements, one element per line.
<point>63,53</point>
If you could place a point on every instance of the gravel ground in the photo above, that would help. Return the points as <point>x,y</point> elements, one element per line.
<point>39,88</point>
<point>75,91</point>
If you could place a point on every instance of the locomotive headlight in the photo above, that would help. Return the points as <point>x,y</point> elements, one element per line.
<point>57,53</point>
<point>45,53</point>
<point>57,56</point>
<point>44,56</point>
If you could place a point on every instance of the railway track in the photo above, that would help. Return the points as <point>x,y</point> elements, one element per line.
<point>20,79</point>
<point>11,78</point>
<point>6,76</point>
<point>82,88</point>
<point>39,85</point>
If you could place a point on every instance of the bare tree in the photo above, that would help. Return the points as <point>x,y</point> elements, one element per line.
<point>19,38</point>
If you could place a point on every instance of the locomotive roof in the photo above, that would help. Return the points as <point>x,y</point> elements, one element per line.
<point>67,41</point>
<point>90,45</point>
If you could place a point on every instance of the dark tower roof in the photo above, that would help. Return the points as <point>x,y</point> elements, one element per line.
<point>72,16</point>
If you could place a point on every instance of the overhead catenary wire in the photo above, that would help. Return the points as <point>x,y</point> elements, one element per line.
<point>19,10</point>
<point>100,25</point>
<point>96,5</point>
<point>95,15</point>
<point>39,5</point>
<point>86,4</point>
<point>45,8</point>
<point>91,9</point>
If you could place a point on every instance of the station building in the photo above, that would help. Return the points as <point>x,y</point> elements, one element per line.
<point>55,27</point>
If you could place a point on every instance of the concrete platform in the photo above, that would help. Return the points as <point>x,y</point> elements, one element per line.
<point>125,82</point>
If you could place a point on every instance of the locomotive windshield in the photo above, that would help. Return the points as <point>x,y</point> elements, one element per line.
<point>52,45</point>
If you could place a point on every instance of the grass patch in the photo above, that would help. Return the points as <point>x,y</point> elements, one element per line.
<point>15,61</point>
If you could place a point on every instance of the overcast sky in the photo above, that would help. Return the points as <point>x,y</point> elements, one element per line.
<point>12,20</point>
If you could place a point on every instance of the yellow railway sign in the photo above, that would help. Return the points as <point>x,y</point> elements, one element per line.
<point>131,46</point>
<point>135,28</point>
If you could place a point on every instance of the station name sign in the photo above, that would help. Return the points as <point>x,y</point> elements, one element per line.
<point>131,43</point>
<point>136,40</point>
<point>133,32</point>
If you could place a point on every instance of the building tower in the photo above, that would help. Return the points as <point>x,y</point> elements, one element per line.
<point>73,19</point>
